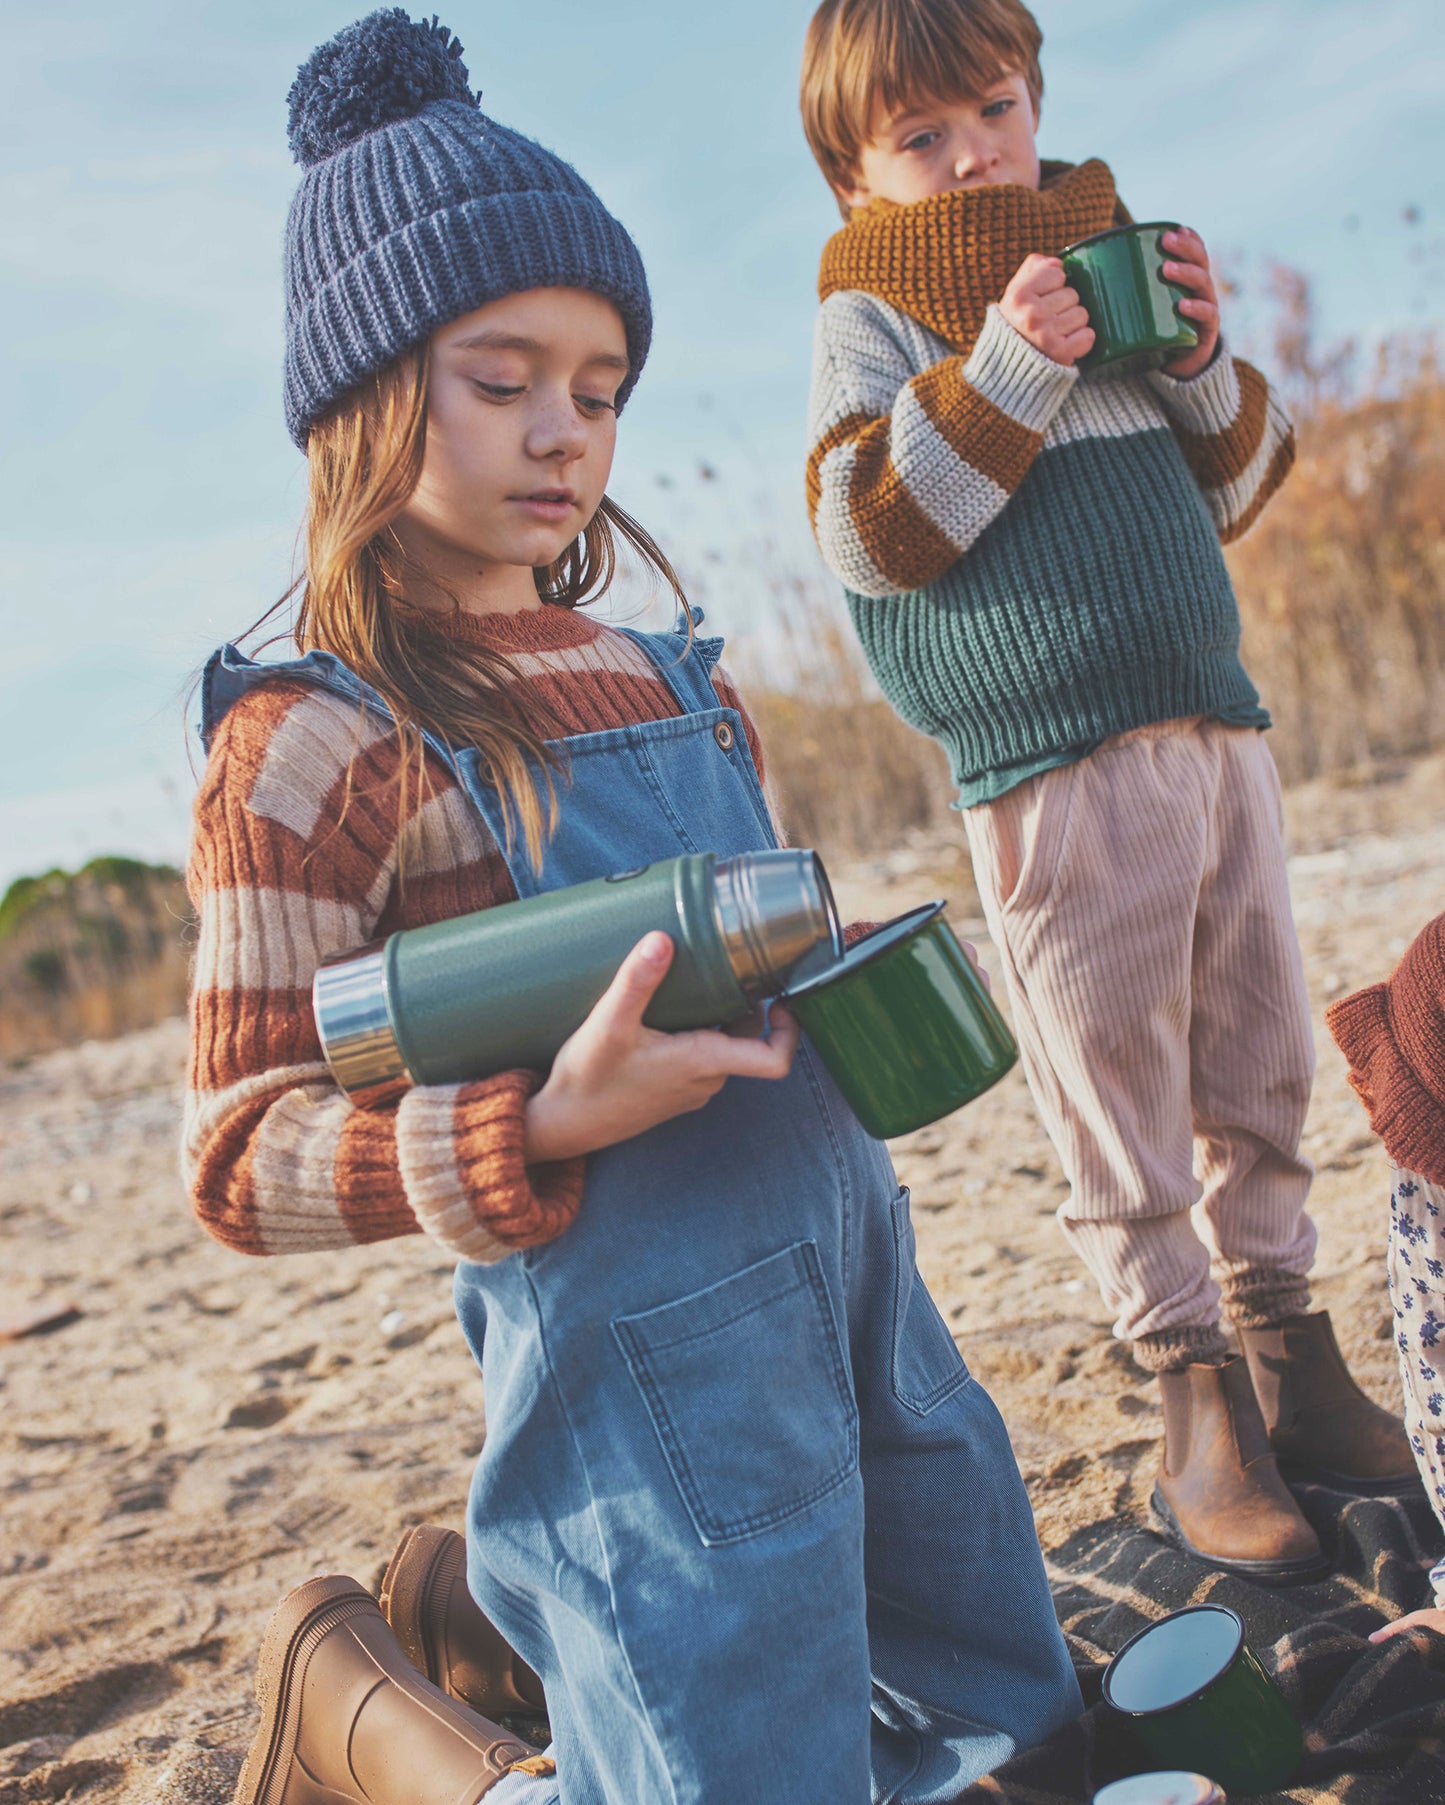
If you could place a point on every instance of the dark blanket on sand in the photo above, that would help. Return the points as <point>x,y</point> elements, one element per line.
<point>1374,1717</point>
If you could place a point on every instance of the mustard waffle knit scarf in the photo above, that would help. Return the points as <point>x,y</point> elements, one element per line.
<point>943,260</point>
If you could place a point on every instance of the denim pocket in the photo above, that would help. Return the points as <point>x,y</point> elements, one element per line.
<point>749,1393</point>
<point>927,1367</point>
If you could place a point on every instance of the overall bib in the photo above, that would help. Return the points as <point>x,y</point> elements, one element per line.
<point>737,1485</point>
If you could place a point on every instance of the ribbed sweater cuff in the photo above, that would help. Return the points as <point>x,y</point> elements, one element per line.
<point>1017,378</point>
<point>460,1150</point>
<point>1204,404</point>
<point>1393,1036</point>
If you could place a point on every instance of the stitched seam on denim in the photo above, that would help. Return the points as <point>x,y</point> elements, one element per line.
<point>806,1057</point>
<point>921,1406</point>
<point>708,1526</point>
<point>596,1523</point>
<point>627,1324</point>
<point>652,777</point>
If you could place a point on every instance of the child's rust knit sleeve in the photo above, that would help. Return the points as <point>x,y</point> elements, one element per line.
<point>295,856</point>
<point>908,468</point>
<point>1235,435</point>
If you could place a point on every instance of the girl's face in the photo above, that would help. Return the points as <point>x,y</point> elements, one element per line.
<point>521,424</point>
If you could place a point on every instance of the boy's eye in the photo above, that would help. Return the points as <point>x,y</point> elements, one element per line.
<point>997,108</point>
<point>921,141</point>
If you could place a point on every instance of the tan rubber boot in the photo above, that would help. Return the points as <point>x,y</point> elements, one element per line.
<point>445,1633</point>
<point>1319,1422</point>
<point>1219,1493</point>
<point>347,1720</point>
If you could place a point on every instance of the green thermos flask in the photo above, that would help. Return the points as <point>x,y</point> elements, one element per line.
<point>504,987</point>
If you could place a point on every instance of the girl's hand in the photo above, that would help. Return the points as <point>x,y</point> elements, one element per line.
<point>615,1078</point>
<point>1189,267</point>
<point>1417,1620</point>
<point>1041,307</point>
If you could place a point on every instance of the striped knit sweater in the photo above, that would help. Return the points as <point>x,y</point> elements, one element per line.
<point>1031,554</point>
<point>290,862</point>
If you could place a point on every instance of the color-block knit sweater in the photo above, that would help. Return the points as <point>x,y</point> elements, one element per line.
<point>1031,554</point>
<point>286,867</point>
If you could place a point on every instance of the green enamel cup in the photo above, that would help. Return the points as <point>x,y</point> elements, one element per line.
<point>1195,1695</point>
<point>1119,276</point>
<point>905,1024</point>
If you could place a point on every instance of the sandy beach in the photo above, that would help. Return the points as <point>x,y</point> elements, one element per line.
<point>208,1431</point>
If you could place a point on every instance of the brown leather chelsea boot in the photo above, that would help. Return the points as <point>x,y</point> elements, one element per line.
<point>446,1635</point>
<point>1219,1493</point>
<point>347,1720</point>
<point>1320,1424</point>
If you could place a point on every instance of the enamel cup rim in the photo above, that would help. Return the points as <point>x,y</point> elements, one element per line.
<point>1141,225</point>
<point>864,951</point>
<point>1149,1629</point>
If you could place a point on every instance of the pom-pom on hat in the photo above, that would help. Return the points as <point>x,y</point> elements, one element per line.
<point>414,208</point>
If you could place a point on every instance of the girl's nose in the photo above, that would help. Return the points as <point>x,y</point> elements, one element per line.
<point>557,432</point>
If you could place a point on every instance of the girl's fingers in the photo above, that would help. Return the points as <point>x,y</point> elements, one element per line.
<point>1189,275</point>
<point>620,1008</point>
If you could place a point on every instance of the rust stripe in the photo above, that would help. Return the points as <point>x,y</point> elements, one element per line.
<point>837,434</point>
<point>369,1190</point>
<point>899,538</point>
<point>983,435</point>
<point>1218,458</point>
<point>236,1033</point>
<point>1276,471</point>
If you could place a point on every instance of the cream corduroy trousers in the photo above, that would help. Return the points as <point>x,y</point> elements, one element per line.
<point>1139,905</point>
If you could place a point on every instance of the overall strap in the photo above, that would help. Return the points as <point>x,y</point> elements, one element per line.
<point>685,668</point>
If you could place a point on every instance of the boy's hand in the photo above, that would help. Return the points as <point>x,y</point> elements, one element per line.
<point>615,1077</point>
<point>1189,267</point>
<point>1041,307</point>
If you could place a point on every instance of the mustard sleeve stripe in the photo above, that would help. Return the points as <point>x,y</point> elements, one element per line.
<point>898,537</point>
<point>1218,458</point>
<point>1277,470</point>
<point>839,433</point>
<point>994,443</point>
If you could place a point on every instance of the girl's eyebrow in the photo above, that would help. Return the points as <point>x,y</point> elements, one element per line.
<point>486,340</point>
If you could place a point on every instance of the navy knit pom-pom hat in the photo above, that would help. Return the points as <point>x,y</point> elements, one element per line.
<point>415,208</point>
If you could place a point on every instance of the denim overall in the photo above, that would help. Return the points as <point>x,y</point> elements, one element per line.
<point>737,1485</point>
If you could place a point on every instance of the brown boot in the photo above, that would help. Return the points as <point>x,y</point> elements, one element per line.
<point>1320,1423</point>
<point>424,1598</point>
<point>347,1720</point>
<point>1219,1493</point>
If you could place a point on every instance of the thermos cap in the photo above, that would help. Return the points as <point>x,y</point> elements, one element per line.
<point>348,999</point>
<point>772,910</point>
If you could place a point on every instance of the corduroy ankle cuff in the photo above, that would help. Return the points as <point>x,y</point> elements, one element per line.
<point>1189,1344</point>
<point>1262,1296</point>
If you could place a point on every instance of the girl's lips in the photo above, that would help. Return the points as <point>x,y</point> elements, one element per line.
<point>547,504</point>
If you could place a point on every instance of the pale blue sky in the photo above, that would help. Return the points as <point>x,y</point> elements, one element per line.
<point>149,497</point>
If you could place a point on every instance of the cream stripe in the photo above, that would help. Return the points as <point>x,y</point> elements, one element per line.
<point>425,1123</point>
<point>445,834</point>
<point>293,1170</point>
<point>269,939</point>
<point>1206,404</point>
<point>1016,376</point>
<point>960,500</point>
<point>1230,501</point>
<point>306,755</point>
<point>608,652</point>
<point>838,538</point>
<point>206,1110</point>
<point>1106,407</point>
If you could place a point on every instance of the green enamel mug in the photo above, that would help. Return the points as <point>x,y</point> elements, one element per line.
<point>905,1024</point>
<point>1196,1697</point>
<point>1119,276</point>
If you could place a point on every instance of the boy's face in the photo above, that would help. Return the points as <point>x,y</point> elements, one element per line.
<point>937,145</point>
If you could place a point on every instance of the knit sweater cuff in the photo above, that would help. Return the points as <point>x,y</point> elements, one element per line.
<point>1016,377</point>
<point>1206,404</point>
<point>460,1150</point>
<point>1400,1086</point>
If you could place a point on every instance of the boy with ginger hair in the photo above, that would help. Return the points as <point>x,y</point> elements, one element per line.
<point>1032,559</point>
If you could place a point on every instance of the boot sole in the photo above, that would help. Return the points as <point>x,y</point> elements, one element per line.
<point>425,1557</point>
<point>1266,1573</point>
<point>298,1624</point>
<point>1300,1473</point>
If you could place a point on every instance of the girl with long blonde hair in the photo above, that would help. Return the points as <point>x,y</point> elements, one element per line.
<point>737,1481</point>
